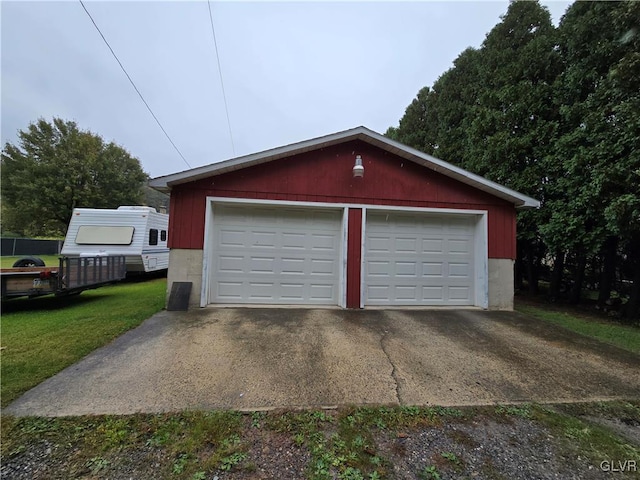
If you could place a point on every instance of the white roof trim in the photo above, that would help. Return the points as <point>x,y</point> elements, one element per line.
<point>520,200</point>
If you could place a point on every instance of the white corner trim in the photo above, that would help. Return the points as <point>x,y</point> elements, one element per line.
<point>363,229</point>
<point>343,258</point>
<point>206,254</point>
<point>481,267</point>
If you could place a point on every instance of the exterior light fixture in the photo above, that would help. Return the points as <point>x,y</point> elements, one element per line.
<point>358,169</point>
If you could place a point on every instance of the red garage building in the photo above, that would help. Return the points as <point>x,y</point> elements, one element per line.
<point>351,219</point>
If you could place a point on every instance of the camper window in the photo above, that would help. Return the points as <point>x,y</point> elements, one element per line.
<point>153,236</point>
<point>104,235</point>
<point>163,235</point>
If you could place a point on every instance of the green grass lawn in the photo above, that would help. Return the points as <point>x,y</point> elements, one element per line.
<point>42,336</point>
<point>49,260</point>
<point>627,337</point>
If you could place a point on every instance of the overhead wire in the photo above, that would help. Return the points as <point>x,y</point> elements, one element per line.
<point>224,95</point>
<point>134,85</point>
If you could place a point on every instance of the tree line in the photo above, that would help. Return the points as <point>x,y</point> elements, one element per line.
<point>552,112</point>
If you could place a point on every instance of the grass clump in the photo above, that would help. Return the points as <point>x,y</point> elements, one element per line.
<point>212,441</point>
<point>522,411</point>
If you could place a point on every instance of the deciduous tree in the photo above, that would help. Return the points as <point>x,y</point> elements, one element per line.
<point>56,167</point>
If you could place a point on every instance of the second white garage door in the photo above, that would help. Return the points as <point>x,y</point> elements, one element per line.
<point>275,255</point>
<point>418,259</point>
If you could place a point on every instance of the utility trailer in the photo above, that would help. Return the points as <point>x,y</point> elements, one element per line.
<point>70,277</point>
<point>137,232</point>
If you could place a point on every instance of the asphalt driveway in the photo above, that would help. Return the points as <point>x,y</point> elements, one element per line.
<point>264,358</point>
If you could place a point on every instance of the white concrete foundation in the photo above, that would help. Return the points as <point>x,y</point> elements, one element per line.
<point>186,266</point>
<point>501,284</point>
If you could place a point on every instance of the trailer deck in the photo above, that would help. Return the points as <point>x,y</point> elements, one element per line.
<point>71,276</point>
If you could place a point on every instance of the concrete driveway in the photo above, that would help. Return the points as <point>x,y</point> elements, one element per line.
<point>261,358</point>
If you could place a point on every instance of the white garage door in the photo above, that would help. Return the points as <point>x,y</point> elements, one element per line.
<point>419,259</point>
<point>275,255</point>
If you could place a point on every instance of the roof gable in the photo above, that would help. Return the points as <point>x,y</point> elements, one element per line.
<point>165,183</point>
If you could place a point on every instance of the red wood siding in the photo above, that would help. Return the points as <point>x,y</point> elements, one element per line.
<point>185,225</point>
<point>326,176</point>
<point>354,243</point>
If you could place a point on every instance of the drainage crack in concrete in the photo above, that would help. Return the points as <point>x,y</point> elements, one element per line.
<point>394,372</point>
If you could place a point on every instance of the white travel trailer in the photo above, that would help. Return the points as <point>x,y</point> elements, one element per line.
<point>137,232</point>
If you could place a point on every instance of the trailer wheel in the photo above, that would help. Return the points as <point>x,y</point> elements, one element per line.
<point>29,262</point>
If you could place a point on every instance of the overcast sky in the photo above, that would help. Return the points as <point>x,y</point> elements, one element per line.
<point>291,71</point>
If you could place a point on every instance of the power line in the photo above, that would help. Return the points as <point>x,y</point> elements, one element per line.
<point>224,95</point>
<point>134,85</point>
